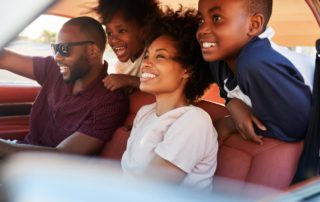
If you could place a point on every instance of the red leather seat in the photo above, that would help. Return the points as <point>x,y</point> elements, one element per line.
<point>114,148</point>
<point>272,164</point>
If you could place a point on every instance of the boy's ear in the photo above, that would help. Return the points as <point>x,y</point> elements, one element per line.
<point>256,24</point>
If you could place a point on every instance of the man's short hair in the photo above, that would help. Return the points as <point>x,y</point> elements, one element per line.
<point>92,28</point>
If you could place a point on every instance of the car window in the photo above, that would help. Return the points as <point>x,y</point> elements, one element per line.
<point>35,40</point>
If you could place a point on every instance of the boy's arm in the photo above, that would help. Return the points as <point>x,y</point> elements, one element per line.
<point>17,63</point>
<point>244,120</point>
<point>116,81</point>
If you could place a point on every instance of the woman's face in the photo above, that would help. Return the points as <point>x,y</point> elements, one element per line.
<point>161,72</point>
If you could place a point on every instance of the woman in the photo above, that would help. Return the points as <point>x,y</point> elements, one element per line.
<point>172,134</point>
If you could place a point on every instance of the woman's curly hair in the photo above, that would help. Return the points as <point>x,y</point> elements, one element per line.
<point>181,26</point>
<point>137,10</point>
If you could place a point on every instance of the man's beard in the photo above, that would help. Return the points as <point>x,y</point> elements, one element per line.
<point>79,69</point>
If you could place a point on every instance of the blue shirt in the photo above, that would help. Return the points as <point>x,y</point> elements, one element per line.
<point>275,82</point>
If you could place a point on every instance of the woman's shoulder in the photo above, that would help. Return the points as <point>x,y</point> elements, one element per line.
<point>146,109</point>
<point>197,115</point>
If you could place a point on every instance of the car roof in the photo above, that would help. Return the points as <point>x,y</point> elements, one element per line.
<point>293,21</point>
<point>12,24</point>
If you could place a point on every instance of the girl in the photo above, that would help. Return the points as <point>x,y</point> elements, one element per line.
<point>125,22</point>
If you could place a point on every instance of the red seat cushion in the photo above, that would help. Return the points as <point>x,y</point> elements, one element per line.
<point>215,110</point>
<point>137,100</point>
<point>114,148</point>
<point>272,164</point>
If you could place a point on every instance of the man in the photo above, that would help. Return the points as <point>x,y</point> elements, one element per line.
<point>73,112</point>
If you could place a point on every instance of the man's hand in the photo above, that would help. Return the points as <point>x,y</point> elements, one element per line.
<point>244,120</point>
<point>116,81</point>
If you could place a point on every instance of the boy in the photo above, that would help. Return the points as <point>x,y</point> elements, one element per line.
<point>260,80</point>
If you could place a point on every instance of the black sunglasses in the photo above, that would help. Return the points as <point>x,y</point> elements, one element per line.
<point>64,48</point>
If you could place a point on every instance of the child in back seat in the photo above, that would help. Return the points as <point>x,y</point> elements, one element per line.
<point>268,88</point>
<point>125,22</point>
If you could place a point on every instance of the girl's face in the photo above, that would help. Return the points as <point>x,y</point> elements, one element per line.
<point>161,72</point>
<point>125,37</point>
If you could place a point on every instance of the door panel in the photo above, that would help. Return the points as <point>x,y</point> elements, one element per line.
<point>15,105</point>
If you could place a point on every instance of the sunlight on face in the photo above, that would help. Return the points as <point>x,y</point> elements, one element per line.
<point>161,72</point>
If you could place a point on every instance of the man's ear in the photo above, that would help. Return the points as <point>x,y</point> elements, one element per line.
<point>93,51</point>
<point>256,24</point>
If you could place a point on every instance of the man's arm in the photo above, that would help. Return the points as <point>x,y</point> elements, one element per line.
<point>77,143</point>
<point>80,143</point>
<point>17,63</point>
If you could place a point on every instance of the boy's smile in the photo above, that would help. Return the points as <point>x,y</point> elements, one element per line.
<point>223,29</point>
<point>205,45</point>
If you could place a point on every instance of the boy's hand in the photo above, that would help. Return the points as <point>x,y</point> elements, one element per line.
<point>116,81</point>
<point>244,120</point>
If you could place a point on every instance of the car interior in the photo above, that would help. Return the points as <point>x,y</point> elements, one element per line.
<point>272,164</point>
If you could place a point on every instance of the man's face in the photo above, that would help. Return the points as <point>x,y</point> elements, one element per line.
<point>125,37</point>
<point>223,29</point>
<point>76,65</point>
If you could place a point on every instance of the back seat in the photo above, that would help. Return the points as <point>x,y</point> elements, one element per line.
<point>272,164</point>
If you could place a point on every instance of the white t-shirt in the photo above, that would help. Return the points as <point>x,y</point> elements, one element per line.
<point>129,67</point>
<point>184,136</point>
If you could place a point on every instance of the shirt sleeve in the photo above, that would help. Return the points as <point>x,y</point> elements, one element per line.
<point>185,144</point>
<point>41,68</point>
<point>277,91</point>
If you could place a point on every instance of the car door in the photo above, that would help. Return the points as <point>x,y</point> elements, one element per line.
<point>15,105</point>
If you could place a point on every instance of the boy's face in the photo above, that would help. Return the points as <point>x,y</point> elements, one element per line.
<point>125,37</point>
<point>223,30</point>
